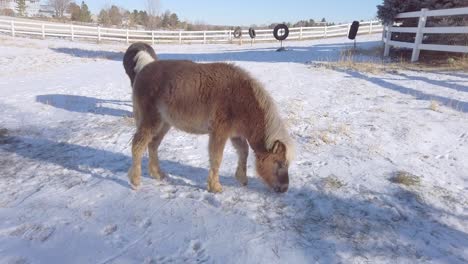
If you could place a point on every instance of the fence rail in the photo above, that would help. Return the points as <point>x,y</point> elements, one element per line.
<point>74,32</point>
<point>417,46</point>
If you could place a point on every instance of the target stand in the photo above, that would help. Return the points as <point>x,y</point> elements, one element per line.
<point>281,32</point>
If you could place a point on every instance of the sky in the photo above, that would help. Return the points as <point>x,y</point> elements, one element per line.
<point>248,12</point>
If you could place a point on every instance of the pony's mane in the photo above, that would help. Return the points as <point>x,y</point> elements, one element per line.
<point>275,128</point>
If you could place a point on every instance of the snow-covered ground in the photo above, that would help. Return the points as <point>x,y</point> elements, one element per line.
<point>64,153</point>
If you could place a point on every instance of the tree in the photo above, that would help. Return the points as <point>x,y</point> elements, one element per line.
<point>390,8</point>
<point>165,19</point>
<point>21,7</point>
<point>59,6</point>
<point>104,18</point>
<point>143,18</point>
<point>133,18</point>
<point>152,8</point>
<point>115,16</point>
<point>174,20</point>
<point>85,14</point>
<point>75,11</point>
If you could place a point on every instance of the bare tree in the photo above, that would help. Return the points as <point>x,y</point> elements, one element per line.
<point>60,6</point>
<point>152,8</point>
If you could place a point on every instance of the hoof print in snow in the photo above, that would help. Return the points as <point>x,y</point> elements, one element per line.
<point>109,230</point>
<point>197,251</point>
<point>87,213</point>
<point>211,199</point>
<point>33,232</point>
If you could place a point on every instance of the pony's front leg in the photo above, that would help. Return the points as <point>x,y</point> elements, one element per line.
<point>216,148</point>
<point>242,148</point>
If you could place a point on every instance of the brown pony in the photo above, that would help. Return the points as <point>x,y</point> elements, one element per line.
<point>218,99</point>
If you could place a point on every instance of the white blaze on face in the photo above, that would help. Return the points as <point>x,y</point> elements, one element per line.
<point>142,59</point>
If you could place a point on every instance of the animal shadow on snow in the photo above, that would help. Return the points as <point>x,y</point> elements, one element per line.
<point>387,83</point>
<point>323,224</point>
<point>84,104</point>
<point>87,159</point>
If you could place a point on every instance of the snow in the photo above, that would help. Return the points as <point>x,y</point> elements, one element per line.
<point>64,153</point>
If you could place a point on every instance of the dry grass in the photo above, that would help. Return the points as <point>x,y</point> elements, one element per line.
<point>332,182</point>
<point>434,106</point>
<point>406,178</point>
<point>325,137</point>
<point>400,60</point>
<point>347,61</point>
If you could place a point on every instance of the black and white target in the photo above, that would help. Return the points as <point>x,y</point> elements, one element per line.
<point>281,32</point>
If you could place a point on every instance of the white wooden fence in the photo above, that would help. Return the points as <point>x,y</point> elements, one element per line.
<point>417,46</point>
<point>74,32</point>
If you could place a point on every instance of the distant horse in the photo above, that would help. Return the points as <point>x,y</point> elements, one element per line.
<point>217,99</point>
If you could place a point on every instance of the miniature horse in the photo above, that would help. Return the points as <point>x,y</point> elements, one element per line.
<point>217,99</point>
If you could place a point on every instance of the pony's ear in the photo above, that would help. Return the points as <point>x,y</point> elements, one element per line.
<point>278,147</point>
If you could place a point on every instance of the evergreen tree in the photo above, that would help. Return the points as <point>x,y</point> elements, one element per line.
<point>143,18</point>
<point>390,8</point>
<point>85,14</point>
<point>115,16</point>
<point>104,18</point>
<point>21,7</point>
<point>165,20</point>
<point>174,20</point>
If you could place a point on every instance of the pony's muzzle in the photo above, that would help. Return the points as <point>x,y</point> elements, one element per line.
<point>281,188</point>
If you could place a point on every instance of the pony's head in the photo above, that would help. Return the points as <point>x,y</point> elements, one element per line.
<point>137,56</point>
<point>273,165</point>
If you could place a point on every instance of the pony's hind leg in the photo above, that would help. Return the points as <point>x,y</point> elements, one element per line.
<point>139,143</point>
<point>154,169</point>
<point>216,147</point>
<point>242,148</point>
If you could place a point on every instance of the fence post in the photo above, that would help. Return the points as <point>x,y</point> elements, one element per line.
<point>387,40</point>
<point>370,28</point>
<point>349,28</point>
<point>99,34</point>
<point>72,32</point>
<point>204,37</point>
<point>180,36</point>
<point>419,35</point>
<point>326,31</point>
<point>127,37</point>
<point>152,37</point>
<point>13,28</point>
<point>383,32</point>
<point>300,34</point>
<point>43,30</point>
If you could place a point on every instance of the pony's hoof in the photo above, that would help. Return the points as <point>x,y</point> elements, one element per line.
<point>215,187</point>
<point>157,174</point>
<point>242,178</point>
<point>134,187</point>
<point>134,178</point>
